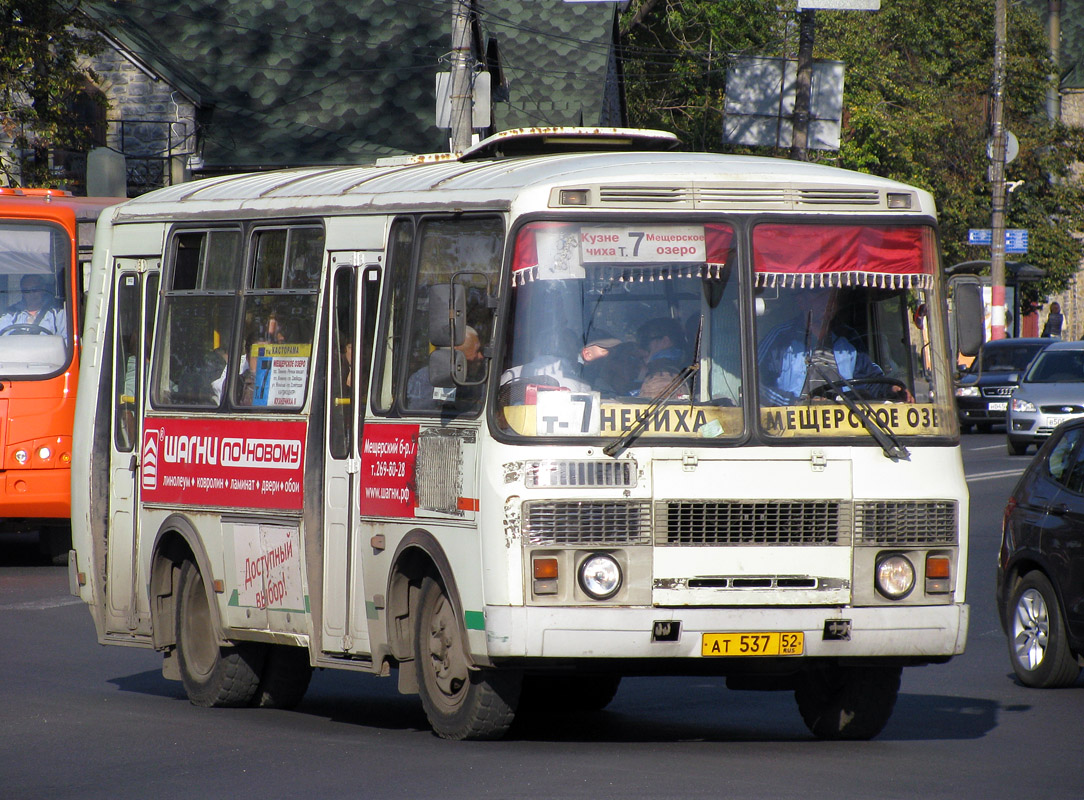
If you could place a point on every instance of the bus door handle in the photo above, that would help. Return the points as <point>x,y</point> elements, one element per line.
<point>133,464</point>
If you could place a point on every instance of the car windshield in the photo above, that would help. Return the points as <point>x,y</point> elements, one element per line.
<point>34,331</point>
<point>1057,366</point>
<point>1009,358</point>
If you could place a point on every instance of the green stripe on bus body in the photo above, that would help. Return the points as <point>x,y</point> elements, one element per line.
<point>476,620</point>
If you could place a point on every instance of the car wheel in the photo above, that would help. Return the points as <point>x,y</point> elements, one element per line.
<point>1016,447</point>
<point>1038,647</point>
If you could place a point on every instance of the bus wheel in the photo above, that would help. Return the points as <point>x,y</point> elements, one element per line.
<point>285,678</point>
<point>213,676</point>
<point>460,702</point>
<point>839,702</point>
<point>567,693</point>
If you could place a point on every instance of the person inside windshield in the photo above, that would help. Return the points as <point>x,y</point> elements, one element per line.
<point>815,333</point>
<point>38,309</point>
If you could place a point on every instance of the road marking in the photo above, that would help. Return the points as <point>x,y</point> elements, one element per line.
<point>41,605</point>
<point>986,476</point>
<point>987,447</point>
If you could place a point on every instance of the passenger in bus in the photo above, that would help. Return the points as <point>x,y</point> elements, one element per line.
<point>424,396</point>
<point>662,337</point>
<point>814,332</point>
<point>37,312</point>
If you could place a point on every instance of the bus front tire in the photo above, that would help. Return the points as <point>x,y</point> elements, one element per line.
<point>461,702</point>
<point>840,702</point>
<point>213,676</point>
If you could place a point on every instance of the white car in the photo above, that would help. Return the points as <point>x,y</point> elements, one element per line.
<point>1051,392</point>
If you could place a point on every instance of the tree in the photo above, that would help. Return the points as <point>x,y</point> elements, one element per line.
<point>42,79</point>
<point>916,102</point>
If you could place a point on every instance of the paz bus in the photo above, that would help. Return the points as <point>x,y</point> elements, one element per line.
<point>45,240</point>
<point>506,424</point>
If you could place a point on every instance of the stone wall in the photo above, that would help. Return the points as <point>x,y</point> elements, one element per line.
<point>150,122</point>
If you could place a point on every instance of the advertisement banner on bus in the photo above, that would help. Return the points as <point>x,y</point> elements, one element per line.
<point>235,463</point>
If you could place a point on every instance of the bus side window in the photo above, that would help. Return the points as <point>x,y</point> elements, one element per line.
<point>400,252</point>
<point>466,251</point>
<point>198,318</point>
<point>279,318</point>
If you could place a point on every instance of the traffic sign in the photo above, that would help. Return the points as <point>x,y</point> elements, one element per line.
<point>1016,239</point>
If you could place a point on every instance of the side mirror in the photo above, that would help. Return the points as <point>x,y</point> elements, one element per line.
<point>447,315</point>
<point>447,367</point>
<point>968,317</point>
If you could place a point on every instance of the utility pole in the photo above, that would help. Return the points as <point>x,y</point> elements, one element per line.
<point>462,111</point>
<point>803,87</point>
<point>1053,29</point>
<point>997,177</point>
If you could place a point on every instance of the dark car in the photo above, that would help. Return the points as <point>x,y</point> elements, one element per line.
<point>1040,568</point>
<point>983,391</point>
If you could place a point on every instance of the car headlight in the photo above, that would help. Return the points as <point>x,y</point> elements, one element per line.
<point>967,391</point>
<point>1019,404</point>
<point>895,576</point>
<point>600,576</point>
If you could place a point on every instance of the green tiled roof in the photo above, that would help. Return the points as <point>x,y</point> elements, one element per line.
<point>295,82</point>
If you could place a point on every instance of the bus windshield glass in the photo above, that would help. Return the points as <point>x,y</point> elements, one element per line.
<point>34,329</point>
<point>621,326</point>
<point>606,317</point>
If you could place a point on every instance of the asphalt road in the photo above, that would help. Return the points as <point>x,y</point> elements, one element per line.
<point>82,721</point>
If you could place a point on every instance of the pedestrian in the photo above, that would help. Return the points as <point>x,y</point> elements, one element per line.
<point>1052,328</point>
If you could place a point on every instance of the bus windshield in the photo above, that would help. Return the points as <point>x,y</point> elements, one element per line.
<point>34,330</point>
<point>615,326</point>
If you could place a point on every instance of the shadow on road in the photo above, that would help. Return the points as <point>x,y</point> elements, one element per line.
<point>670,716</point>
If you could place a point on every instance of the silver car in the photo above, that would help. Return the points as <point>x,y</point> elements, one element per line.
<point>1051,392</point>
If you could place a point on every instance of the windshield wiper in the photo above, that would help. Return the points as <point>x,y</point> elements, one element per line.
<point>631,433</point>
<point>880,432</point>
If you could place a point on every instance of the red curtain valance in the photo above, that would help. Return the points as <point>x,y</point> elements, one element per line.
<point>843,255</point>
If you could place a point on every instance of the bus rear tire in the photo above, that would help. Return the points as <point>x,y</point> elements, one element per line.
<point>285,679</point>
<point>461,702</point>
<point>853,703</point>
<point>213,676</point>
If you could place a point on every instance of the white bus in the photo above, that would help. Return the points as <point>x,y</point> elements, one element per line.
<point>568,407</point>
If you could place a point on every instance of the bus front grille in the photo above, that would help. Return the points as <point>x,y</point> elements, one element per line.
<point>752,522</point>
<point>897,523</point>
<point>576,522</point>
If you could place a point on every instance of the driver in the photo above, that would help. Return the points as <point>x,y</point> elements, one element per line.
<point>37,309</point>
<point>783,352</point>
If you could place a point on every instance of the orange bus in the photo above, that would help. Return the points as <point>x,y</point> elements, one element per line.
<point>46,237</point>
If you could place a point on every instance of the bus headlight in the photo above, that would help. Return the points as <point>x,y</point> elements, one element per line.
<point>600,576</point>
<point>21,456</point>
<point>895,577</point>
<point>44,453</point>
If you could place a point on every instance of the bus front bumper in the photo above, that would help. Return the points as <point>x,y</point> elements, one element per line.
<point>905,632</point>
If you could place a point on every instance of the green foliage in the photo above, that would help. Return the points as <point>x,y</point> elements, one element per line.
<point>41,80</point>
<point>916,104</point>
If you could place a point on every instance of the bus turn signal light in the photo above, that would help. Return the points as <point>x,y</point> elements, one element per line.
<point>545,575</point>
<point>938,574</point>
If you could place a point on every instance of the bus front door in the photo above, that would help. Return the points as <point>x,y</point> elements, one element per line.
<point>135,296</point>
<point>355,286</point>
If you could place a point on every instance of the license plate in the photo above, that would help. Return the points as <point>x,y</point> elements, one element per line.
<point>1055,421</point>
<point>1002,406</point>
<point>752,644</point>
